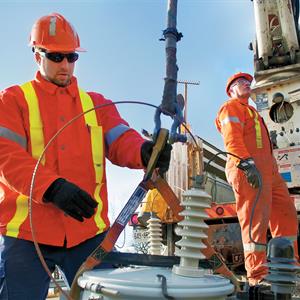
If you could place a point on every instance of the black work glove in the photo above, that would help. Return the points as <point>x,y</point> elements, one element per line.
<point>71,199</point>
<point>163,161</point>
<point>251,172</point>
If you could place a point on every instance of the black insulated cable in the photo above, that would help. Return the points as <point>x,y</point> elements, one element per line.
<point>256,197</point>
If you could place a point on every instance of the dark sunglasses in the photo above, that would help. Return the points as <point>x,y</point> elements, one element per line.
<point>240,81</point>
<point>59,57</point>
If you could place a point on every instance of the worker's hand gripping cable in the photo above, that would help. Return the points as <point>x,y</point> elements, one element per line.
<point>254,179</point>
<point>250,170</point>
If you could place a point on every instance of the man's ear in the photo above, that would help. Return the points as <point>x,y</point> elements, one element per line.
<point>231,93</point>
<point>37,57</point>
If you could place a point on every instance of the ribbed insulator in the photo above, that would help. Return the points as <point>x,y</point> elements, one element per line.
<point>283,267</point>
<point>191,229</point>
<point>155,235</point>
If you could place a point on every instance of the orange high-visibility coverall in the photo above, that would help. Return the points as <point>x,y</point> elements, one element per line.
<point>245,135</point>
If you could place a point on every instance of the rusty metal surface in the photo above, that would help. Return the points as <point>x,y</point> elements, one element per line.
<point>226,240</point>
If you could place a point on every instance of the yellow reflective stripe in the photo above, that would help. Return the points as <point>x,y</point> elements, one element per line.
<point>258,131</point>
<point>250,112</point>
<point>21,214</point>
<point>87,103</point>
<point>98,220</point>
<point>257,128</point>
<point>35,121</point>
<point>97,152</point>
<point>96,134</point>
<point>37,147</point>
<point>97,149</point>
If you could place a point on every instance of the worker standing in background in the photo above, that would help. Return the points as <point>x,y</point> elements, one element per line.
<point>246,136</point>
<point>69,207</point>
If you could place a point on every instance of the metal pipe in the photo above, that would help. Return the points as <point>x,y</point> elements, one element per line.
<point>171,38</point>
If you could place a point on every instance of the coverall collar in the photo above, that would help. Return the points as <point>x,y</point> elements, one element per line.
<point>242,100</point>
<point>52,88</point>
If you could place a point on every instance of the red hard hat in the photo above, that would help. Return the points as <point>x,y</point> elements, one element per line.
<point>54,33</point>
<point>236,76</point>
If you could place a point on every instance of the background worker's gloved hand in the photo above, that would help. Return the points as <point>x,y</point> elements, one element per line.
<point>71,199</point>
<point>164,157</point>
<point>250,170</point>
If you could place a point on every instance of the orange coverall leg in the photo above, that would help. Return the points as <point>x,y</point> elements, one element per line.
<point>274,207</point>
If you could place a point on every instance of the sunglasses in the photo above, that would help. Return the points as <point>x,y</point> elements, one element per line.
<point>59,57</point>
<point>240,81</point>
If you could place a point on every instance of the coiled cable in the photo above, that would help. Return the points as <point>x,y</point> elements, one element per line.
<point>36,245</point>
<point>256,197</point>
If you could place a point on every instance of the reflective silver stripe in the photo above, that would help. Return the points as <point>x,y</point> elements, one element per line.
<point>114,133</point>
<point>14,137</point>
<point>231,119</point>
<point>52,26</point>
<point>291,238</point>
<point>251,247</point>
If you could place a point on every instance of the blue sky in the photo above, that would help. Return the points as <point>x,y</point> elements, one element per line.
<point>126,60</point>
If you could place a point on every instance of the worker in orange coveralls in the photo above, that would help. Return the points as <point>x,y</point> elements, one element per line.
<point>69,207</point>
<point>245,135</point>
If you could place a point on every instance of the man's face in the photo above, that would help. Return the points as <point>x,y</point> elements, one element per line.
<point>57,72</point>
<point>240,88</point>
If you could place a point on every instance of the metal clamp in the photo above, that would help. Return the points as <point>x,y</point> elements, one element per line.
<point>173,31</point>
<point>173,135</point>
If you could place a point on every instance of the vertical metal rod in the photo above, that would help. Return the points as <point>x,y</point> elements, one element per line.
<point>186,83</point>
<point>170,240</point>
<point>185,102</point>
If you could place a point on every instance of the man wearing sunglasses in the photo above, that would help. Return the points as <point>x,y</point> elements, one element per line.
<point>252,172</point>
<point>69,207</point>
